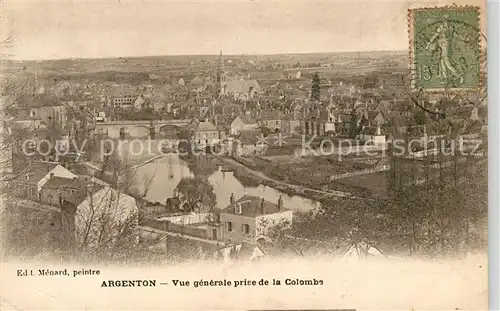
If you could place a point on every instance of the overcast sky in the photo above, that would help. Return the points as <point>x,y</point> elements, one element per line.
<point>67,29</point>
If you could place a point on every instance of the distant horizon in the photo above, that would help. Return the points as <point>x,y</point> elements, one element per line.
<point>205,55</point>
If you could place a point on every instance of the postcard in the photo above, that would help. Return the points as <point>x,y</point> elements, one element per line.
<point>244,155</point>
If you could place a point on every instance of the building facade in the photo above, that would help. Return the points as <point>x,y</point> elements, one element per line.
<point>250,217</point>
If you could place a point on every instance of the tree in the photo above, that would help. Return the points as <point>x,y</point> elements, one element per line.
<point>265,131</point>
<point>315,87</point>
<point>197,191</point>
<point>420,117</point>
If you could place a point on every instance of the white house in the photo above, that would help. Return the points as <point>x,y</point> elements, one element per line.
<point>242,124</point>
<point>249,218</point>
<point>373,136</point>
<point>205,134</point>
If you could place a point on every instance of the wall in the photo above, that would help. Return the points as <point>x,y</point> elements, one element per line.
<point>329,127</point>
<point>237,235</point>
<point>187,219</point>
<point>24,190</point>
<point>236,126</point>
<point>51,114</point>
<point>203,139</point>
<point>199,232</point>
<point>357,150</point>
<point>219,230</point>
<point>50,196</point>
<point>362,172</point>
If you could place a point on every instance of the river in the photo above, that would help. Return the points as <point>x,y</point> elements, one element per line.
<point>170,169</point>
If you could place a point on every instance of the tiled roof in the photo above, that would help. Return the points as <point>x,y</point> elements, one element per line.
<point>35,171</point>
<point>205,127</point>
<point>251,207</point>
<point>56,182</point>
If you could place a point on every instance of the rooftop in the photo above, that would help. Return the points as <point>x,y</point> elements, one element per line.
<point>251,206</point>
<point>56,182</point>
<point>35,171</point>
<point>205,126</point>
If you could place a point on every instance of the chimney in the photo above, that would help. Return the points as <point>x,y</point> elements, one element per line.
<point>262,206</point>
<point>51,175</point>
<point>280,203</point>
<point>231,199</point>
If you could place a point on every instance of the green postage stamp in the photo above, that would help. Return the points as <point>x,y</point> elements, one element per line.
<point>445,48</point>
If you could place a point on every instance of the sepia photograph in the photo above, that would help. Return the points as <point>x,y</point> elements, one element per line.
<point>222,155</point>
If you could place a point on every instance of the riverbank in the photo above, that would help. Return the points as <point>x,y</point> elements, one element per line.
<point>290,189</point>
<point>97,167</point>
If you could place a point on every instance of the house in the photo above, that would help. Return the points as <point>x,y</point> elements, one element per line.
<point>373,135</point>
<point>296,118</point>
<point>124,101</point>
<point>248,144</point>
<point>273,120</point>
<point>345,125</point>
<point>49,115</point>
<point>242,124</point>
<point>48,109</point>
<point>50,192</point>
<point>330,124</point>
<point>314,121</point>
<point>139,102</point>
<point>29,182</point>
<point>205,134</point>
<point>250,218</point>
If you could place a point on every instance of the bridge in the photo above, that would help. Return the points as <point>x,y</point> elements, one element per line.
<point>138,129</point>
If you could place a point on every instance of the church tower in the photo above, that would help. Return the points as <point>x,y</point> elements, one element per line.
<point>221,78</point>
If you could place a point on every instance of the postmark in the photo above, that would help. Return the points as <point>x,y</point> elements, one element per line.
<point>445,49</point>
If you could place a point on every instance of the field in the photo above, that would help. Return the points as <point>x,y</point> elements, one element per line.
<point>166,68</point>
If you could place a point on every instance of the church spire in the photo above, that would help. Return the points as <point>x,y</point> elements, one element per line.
<point>221,77</point>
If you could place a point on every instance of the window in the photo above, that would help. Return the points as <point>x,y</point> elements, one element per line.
<point>33,193</point>
<point>246,228</point>
<point>277,122</point>
<point>229,226</point>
